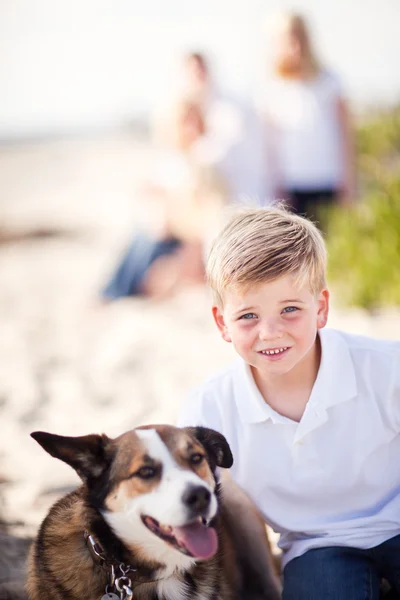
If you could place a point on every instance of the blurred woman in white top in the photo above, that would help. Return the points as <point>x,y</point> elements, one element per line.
<point>310,134</point>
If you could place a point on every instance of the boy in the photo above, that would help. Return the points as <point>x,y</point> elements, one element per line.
<point>312,415</point>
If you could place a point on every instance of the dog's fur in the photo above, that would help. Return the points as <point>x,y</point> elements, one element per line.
<point>165,474</point>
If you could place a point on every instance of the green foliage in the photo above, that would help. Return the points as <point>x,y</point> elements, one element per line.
<point>364,249</point>
<point>364,240</point>
<point>379,136</point>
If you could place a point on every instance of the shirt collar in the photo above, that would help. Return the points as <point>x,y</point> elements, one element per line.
<point>336,379</point>
<point>335,383</point>
<point>250,403</point>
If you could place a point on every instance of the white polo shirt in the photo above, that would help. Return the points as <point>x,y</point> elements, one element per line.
<point>333,479</point>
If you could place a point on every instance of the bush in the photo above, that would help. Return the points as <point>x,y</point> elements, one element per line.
<point>379,136</point>
<point>364,249</point>
<point>364,241</point>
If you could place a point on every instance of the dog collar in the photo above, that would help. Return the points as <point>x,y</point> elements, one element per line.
<point>119,582</point>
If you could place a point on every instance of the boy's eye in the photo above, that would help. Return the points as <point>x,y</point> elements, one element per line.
<point>290,309</point>
<point>248,316</point>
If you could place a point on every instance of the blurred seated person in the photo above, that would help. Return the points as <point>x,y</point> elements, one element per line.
<point>235,137</point>
<point>189,195</point>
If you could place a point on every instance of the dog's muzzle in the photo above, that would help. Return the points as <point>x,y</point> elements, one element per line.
<point>195,538</point>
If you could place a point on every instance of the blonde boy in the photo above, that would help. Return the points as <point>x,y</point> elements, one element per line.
<point>312,414</point>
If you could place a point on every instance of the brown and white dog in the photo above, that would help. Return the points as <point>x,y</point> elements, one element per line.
<point>149,523</point>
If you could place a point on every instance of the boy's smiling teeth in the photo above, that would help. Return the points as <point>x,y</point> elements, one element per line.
<point>275,351</point>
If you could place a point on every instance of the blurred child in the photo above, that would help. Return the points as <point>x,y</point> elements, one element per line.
<point>310,138</point>
<point>312,414</point>
<point>188,193</point>
<point>234,138</point>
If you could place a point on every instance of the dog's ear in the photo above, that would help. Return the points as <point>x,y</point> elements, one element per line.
<point>215,444</point>
<point>86,454</point>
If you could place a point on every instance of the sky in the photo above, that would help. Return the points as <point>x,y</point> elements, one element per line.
<point>70,65</point>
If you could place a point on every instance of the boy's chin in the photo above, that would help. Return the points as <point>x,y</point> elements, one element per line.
<point>281,367</point>
<point>277,369</point>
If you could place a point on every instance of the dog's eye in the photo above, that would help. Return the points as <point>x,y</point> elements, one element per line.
<point>146,472</point>
<point>196,458</point>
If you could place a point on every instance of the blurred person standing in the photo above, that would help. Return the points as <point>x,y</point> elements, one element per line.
<point>235,136</point>
<point>188,195</point>
<point>310,139</point>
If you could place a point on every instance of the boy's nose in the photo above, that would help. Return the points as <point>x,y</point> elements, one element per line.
<point>270,330</point>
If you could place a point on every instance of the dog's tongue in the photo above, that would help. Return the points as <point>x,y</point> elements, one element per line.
<point>200,541</point>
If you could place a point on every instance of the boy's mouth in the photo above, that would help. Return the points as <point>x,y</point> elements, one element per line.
<point>274,353</point>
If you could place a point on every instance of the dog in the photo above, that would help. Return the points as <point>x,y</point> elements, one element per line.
<point>150,522</point>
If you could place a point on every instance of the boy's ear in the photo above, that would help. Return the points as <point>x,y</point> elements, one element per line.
<point>88,454</point>
<point>323,309</point>
<point>220,321</point>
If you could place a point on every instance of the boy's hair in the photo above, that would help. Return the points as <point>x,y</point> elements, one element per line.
<point>263,244</point>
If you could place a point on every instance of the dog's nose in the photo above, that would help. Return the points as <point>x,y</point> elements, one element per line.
<point>197,498</point>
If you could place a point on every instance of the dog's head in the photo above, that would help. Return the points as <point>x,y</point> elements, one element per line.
<point>155,485</point>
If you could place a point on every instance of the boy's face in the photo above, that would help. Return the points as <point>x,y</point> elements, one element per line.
<point>272,325</point>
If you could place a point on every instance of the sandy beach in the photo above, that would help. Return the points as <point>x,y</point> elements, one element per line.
<point>68,365</point>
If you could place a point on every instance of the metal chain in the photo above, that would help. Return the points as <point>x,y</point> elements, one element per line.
<point>124,592</point>
<point>118,588</point>
<point>121,587</point>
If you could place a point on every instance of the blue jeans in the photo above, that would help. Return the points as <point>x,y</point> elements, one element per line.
<point>142,252</point>
<point>340,573</point>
